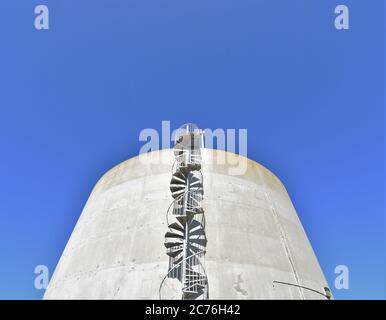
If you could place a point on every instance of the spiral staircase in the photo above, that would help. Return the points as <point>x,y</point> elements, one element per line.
<point>186,240</point>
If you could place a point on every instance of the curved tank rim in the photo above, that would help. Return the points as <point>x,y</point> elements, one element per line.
<point>170,149</point>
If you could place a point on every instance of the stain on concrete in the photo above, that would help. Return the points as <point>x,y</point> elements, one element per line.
<point>238,288</point>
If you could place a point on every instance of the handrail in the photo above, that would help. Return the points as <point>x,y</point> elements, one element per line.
<point>173,166</point>
<point>167,212</point>
<point>300,286</point>
<point>187,129</point>
<point>196,157</point>
<point>176,199</point>
<point>173,171</point>
<point>178,264</point>
<point>187,204</point>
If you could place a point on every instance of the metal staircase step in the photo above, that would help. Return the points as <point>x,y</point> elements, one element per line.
<point>173,235</point>
<point>174,254</point>
<point>176,226</point>
<point>172,244</point>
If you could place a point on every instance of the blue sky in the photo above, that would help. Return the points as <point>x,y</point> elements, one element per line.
<point>74,98</point>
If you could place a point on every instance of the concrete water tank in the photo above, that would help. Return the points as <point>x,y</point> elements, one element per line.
<point>256,245</point>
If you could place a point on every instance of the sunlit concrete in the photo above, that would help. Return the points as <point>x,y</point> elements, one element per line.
<point>257,247</point>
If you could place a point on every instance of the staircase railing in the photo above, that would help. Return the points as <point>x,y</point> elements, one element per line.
<point>206,293</point>
<point>180,200</point>
<point>186,159</point>
<point>187,233</point>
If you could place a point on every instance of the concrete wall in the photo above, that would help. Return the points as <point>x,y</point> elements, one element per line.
<point>254,236</point>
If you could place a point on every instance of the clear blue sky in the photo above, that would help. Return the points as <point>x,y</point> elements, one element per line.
<point>74,98</point>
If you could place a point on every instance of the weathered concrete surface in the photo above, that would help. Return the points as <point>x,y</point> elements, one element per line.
<point>254,236</point>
